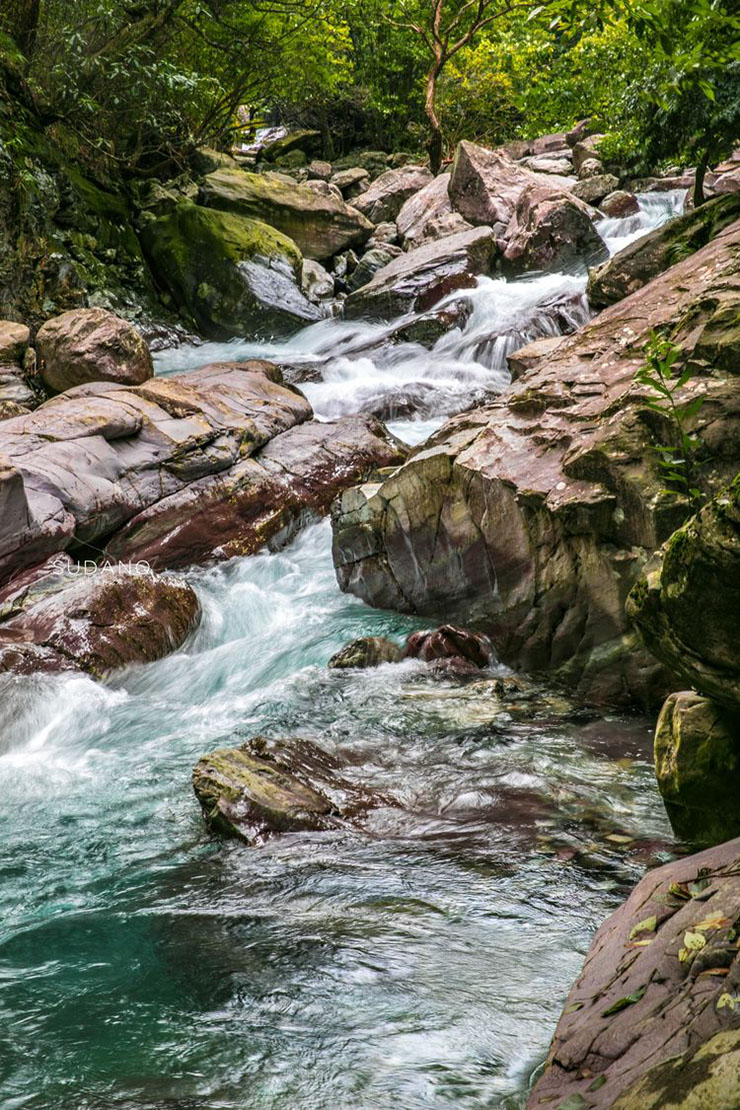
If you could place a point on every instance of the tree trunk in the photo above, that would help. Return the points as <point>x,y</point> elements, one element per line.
<point>435,144</point>
<point>701,173</point>
<point>22,20</point>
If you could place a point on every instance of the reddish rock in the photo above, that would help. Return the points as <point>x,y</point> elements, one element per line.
<point>549,230</point>
<point>91,345</point>
<point>653,1022</point>
<point>448,643</point>
<point>385,198</point>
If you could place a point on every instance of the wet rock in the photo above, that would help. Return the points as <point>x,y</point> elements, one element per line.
<point>428,215</point>
<point>652,1021</point>
<point>643,260</point>
<point>419,279</point>
<point>412,400</point>
<point>428,328</point>
<point>233,275</point>
<point>387,194</point>
<point>316,219</point>
<point>91,345</point>
<point>595,187</point>
<point>263,499</point>
<point>351,183</point>
<point>268,787</point>
<point>316,282</point>
<point>526,358</point>
<point>534,516</point>
<point>448,643</point>
<point>57,617</point>
<point>368,651</point>
<point>687,604</point>
<point>370,263</point>
<point>620,204</point>
<point>697,764</point>
<point>549,231</point>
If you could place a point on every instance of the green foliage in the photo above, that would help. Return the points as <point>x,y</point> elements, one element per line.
<point>663,376</point>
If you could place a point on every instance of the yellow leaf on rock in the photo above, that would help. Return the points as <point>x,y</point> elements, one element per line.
<point>649,925</point>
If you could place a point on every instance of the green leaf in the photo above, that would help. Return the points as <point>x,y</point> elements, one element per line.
<point>649,925</point>
<point>623,1003</point>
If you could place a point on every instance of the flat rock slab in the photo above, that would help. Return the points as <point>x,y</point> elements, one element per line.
<point>653,1022</point>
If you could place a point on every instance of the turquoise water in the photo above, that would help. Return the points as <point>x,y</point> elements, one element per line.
<point>145,964</point>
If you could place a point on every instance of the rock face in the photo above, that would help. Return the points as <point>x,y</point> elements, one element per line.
<point>644,259</point>
<point>268,787</point>
<point>317,220</point>
<point>533,517</point>
<point>687,606</point>
<point>697,764</point>
<point>368,651</point>
<point>85,464</point>
<point>234,276</point>
<point>386,196</point>
<point>419,279</point>
<point>653,1022</point>
<point>59,617</point>
<point>16,396</point>
<point>91,345</point>
<point>428,215</point>
<point>485,186</point>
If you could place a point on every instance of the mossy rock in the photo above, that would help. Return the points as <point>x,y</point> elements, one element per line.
<point>233,275</point>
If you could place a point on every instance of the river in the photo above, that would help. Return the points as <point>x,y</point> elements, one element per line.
<point>146,964</point>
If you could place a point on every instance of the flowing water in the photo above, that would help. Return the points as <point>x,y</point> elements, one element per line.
<point>423,963</point>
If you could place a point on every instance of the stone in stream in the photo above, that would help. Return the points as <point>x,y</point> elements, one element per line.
<point>233,275</point>
<point>91,345</point>
<point>533,517</point>
<point>268,787</point>
<point>316,219</point>
<point>368,651</point>
<point>653,1021</point>
<point>448,643</point>
<point>59,617</point>
<point>385,198</point>
<point>418,280</point>
<point>620,204</point>
<point>549,231</point>
<point>593,189</point>
<point>648,257</point>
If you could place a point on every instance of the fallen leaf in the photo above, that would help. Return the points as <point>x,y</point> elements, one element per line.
<point>572,1007</point>
<point>719,921</point>
<point>649,925</point>
<point>679,890</point>
<point>623,1003</point>
<point>694,941</point>
<point>598,1083</point>
<point>728,1001</point>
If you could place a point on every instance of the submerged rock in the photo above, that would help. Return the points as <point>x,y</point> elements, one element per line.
<point>533,517</point>
<point>58,617</point>
<point>419,279</point>
<point>697,764</point>
<point>652,1022</point>
<point>650,256</point>
<point>91,345</point>
<point>234,275</point>
<point>315,218</point>
<point>368,651</point>
<point>268,787</point>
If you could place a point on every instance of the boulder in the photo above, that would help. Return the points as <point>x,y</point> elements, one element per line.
<point>91,345</point>
<point>368,651</point>
<point>316,282</point>
<point>264,499</point>
<point>388,193</point>
<point>14,341</point>
<point>562,167</point>
<point>234,276</point>
<point>306,141</point>
<point>652,1023</point>
<point>372,261</point>
<point>429,327</point>
<point>585,150</point>
<point>351,183</point>
<point>485,186</point>
<point>620,204</point>
<point>592,190</point>
<point>644,259</point>
<point>428,215</point>
<point>268,787</point>
<point>697,764</point>
<point>526,358</point>
<point>319,171</point>
<point>687,604</point>
<point>316,219</point>
<point>582,130</point>
<point>549,231</point>
<point>592,167</point>
<point>384,234</point>
<point>448,642</point>
<point>15,392</point>
<point>58,616</point>
<point>531,519</point>
<point>419,279</point>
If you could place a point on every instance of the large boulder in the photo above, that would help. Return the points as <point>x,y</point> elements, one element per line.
<point>313,216</point>
<point>550,230</point>
<point>697,765</point>
<point>305,140</point>
<point>14,341</point>
<point>533,517</point>
<point>485,186</point>
<point>687,605</point>
<point>419,279</point>
<point>91,345</point>
<point>386,196</point>
<point>16,395</point>
<point>58,617</point>
<point>653,1021</point>
<point>268,787</point>
<point>428,215</point>
<point>644,259</point>
<point>84,464</point>
<point>592,190</point>
<point>235,276</point>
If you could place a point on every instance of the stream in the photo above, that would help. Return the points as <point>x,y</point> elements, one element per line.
<point>423,964</point>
